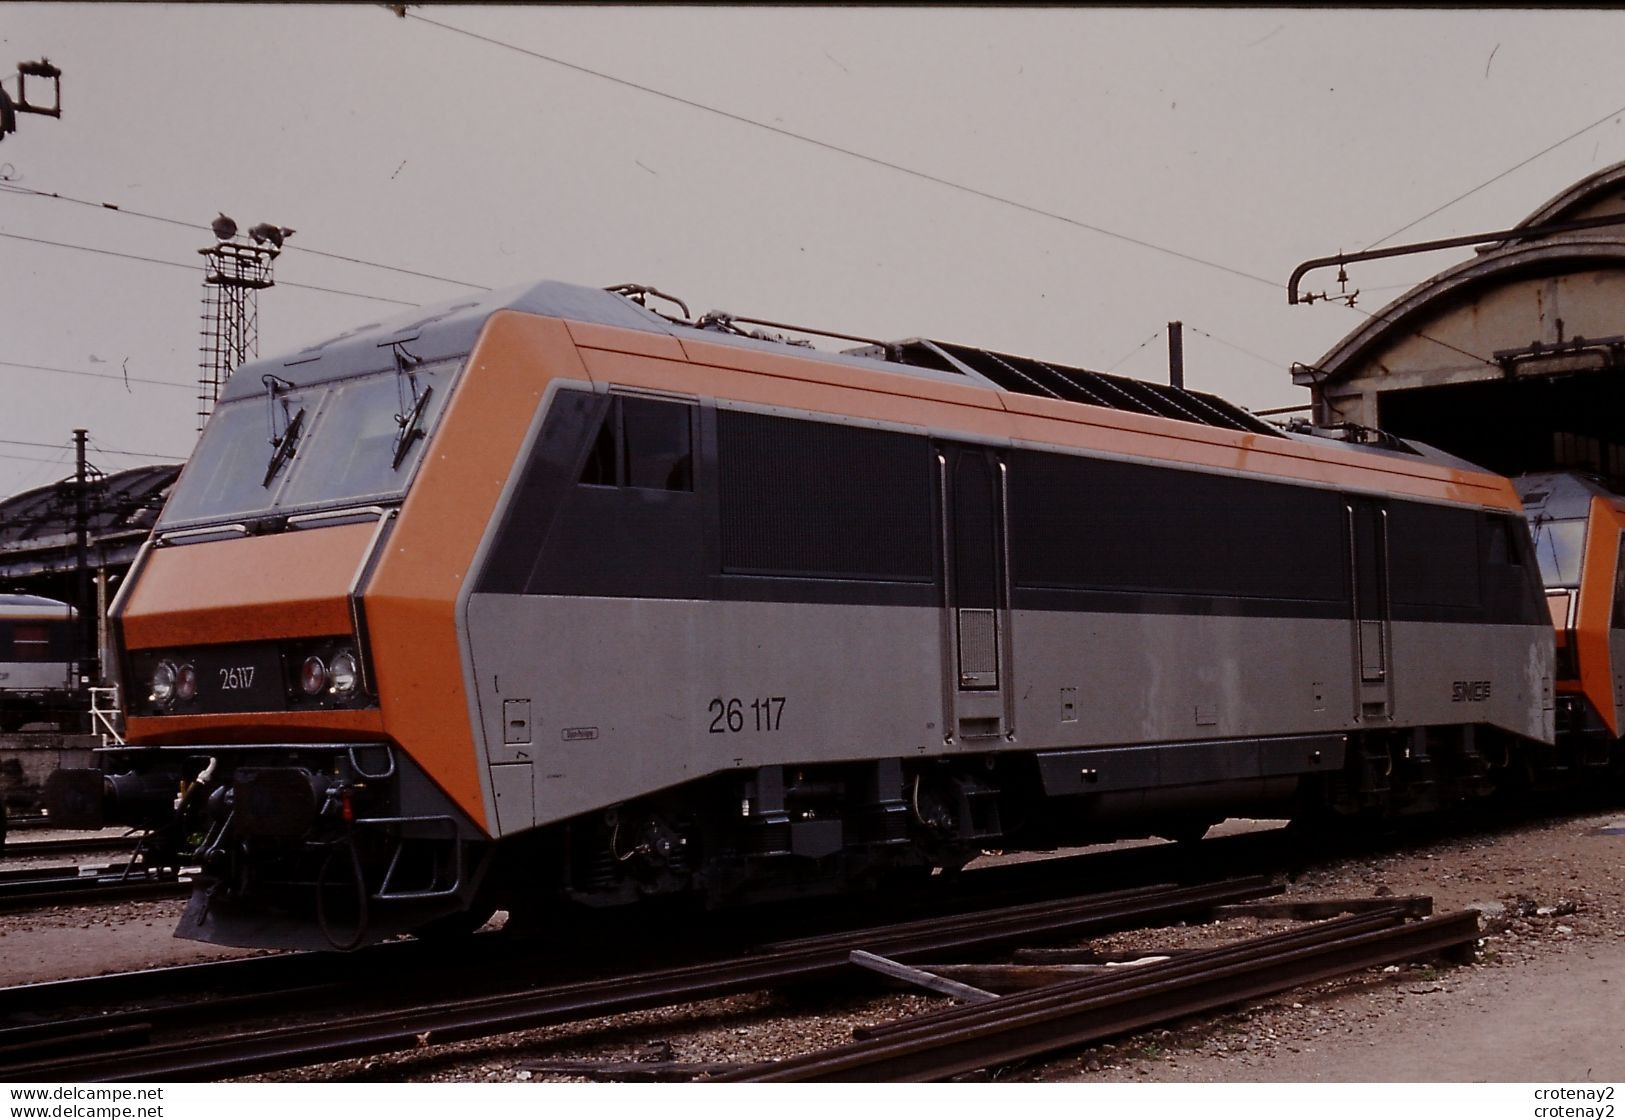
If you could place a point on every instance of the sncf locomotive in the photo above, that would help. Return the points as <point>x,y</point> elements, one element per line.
<point>1578,527</point>
<point>548,599</point>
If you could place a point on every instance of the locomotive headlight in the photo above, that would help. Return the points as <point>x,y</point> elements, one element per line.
<point>313,675</point>
<point>185,682</point>
<point>163,682</point>
<point>343,673</point>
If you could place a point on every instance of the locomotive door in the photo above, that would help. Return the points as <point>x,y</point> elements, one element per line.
<point>1373,638</point>
<point>975,594</point>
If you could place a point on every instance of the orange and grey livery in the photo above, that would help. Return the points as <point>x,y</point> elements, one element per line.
<point>546,599</point>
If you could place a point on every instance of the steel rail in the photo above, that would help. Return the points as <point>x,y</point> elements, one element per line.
<point>1119,979</point>
<point>970,919</point>
<point>30,848</point>
<point>980,890</point>
<point>234,977</point>
<point>30,893</point>
<point>1016,1028</point>
<point>298,968</point>
<point>37,874</point>
<point>181,979</point>
<point>458,1019</point>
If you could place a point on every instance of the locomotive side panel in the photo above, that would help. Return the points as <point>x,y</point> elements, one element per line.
<point>1470,641</point>
<point>1473,673</point>
<point>1103,679</point>
<point>673,572</point>
<point>627,697</point>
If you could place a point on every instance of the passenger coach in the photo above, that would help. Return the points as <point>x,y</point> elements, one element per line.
<point>39,678</point>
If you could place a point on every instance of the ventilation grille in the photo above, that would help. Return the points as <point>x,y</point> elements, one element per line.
<point>1082,386</point>
<point>978,643</point>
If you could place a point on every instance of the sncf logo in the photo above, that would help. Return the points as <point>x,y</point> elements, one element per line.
<point>1472,692</point>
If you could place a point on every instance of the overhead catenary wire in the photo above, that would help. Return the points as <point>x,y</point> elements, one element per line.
<point>916,173</point>
<point>94,444</point>
<point>168,458</point>
<point>1119,362</point>
<point>103,376</point>
<point>1599,122</point>
<point>1271,362</point>
<point>33,458</point>
<point>851,153</point>
<point>113,208</point>
<point>29,443</point>
<point>194,268</point>
<point>1392,321</point>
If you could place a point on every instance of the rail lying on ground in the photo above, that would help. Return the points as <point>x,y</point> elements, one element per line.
<point>1014,1027</point>
<point>786,962</point>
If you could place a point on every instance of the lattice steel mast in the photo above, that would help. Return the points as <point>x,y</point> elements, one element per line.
<point>235,270</point>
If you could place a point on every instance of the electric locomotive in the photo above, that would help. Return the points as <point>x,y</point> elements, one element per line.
<point>1578,527</point>
<point>545,598</point>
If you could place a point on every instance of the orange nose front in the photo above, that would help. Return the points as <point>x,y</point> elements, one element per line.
<point>294,584</point>
<point>239,592</point>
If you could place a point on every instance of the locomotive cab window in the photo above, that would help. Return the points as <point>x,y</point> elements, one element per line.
<point>645,444</point>
<point>371,433</point>
<point>1559,547</point>
<point>359,441</point>
<point>226,476</point>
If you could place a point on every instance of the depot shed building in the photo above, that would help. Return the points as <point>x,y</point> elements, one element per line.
<point>1514,359</point>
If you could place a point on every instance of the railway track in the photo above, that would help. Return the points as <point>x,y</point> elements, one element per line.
<point>28,822</point>
<point>1015,1027</point>
<point>978,889</point>
<point>28,849</point>
<point>135,1049</point>
<point>68,885</point>
<point>261,986</point>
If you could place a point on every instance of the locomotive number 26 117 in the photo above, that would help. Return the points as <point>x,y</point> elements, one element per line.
<point>236,677</point>
<point>728,715</point>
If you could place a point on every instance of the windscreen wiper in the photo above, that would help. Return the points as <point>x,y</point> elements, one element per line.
<point>406,420</point>
<point>284,447</point>
<point>284,443</point>
<point>411,430</point>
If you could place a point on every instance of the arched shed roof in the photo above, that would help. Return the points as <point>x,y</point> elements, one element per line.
<point>1495,265</point>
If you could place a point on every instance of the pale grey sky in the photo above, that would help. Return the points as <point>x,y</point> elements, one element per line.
<point>1252,139</point>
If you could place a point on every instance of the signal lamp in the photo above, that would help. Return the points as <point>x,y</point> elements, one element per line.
<point>313,676</point>
<point>163,682</point>
<point>343,672</point>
